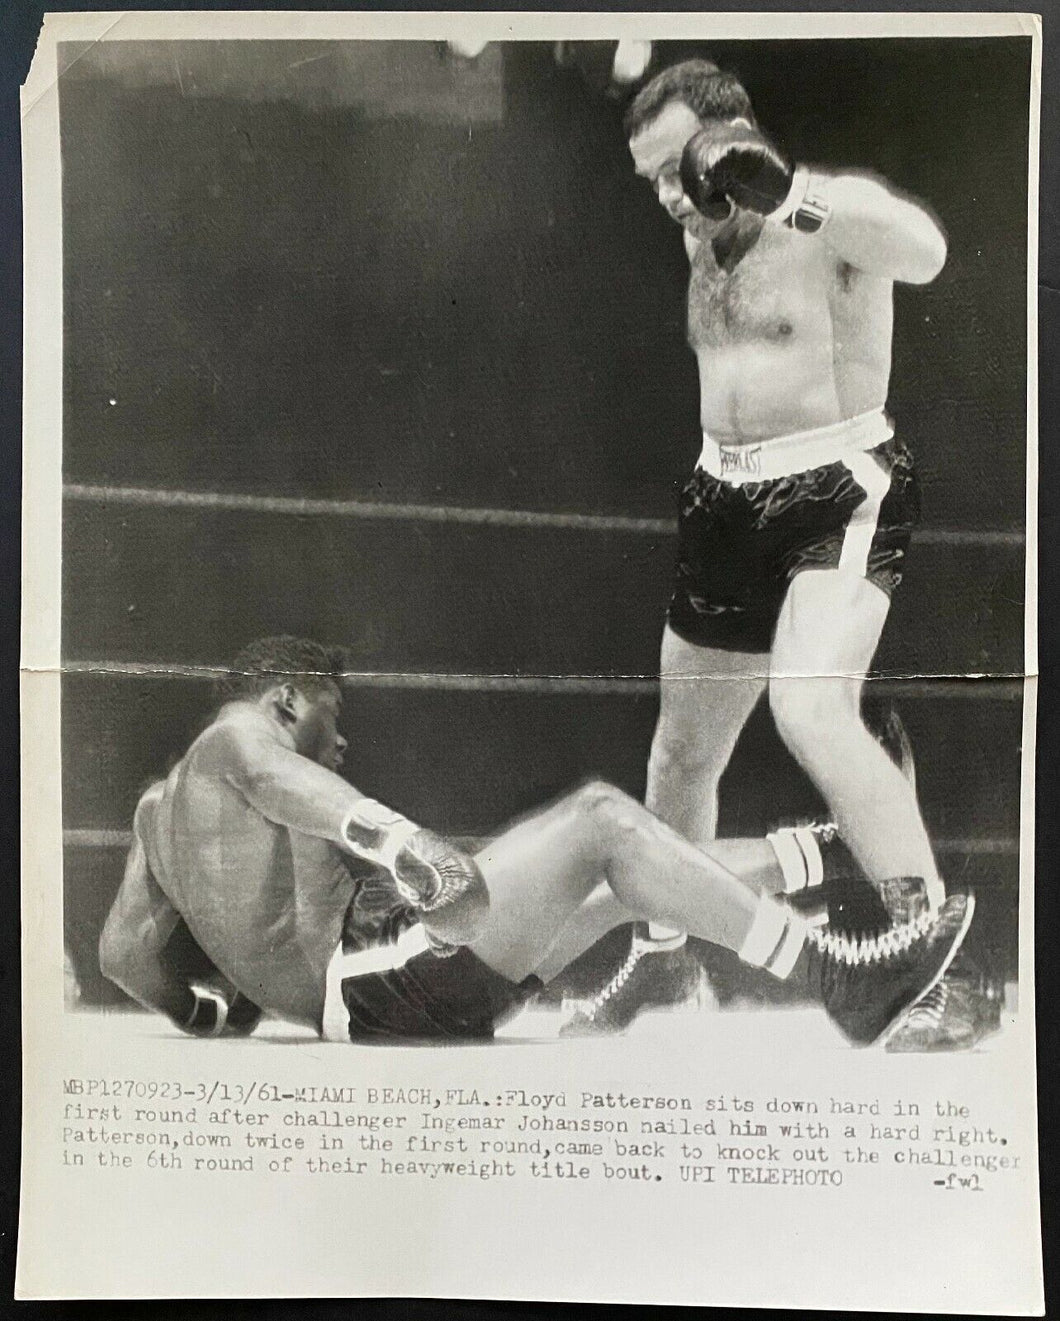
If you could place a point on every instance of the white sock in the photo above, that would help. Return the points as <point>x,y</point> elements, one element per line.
<point>936,893</point>
<point>666,935</point>
<point>799,857</point>
<point>775,938</point>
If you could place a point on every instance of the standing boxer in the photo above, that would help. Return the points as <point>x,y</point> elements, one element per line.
<point>253,842</point>
<point>795,523</point>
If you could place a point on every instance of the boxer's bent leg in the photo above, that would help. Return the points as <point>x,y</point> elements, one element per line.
<point>826,638</point>
<point>541,871</point>
<point>601,912</point>
<point>753,861</point>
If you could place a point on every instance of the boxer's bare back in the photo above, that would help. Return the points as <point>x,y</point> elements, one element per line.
<point>263,899</point>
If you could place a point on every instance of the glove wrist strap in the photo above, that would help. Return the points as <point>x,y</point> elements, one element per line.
<point>209,1014</point>
<point>376,832</point>
<point>806,207</point>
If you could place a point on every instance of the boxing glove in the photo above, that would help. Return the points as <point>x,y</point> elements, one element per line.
<point>243,1016</point>
<point>215,1014</point>
<point>736,162</point>
<point>209,1012</point>
<point>444,885</point>
<point>435,878</point>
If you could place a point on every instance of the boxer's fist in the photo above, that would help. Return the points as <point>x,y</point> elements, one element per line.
<point>444,885</point>
<point>209,1012</point>
<point>220,1010</point>
<point>243,1016</point>
<point>738,163</point>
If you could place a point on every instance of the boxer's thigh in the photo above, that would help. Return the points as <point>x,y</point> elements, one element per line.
<point>705,693</point>
<point>829,626</point>
<point>849,560</point>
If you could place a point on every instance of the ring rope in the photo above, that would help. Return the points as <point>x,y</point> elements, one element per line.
<point>515,518</point>
<point>985,686</point>
<point>1000,846</point>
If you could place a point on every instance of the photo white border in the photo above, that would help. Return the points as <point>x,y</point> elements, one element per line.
<point>46,1045</point>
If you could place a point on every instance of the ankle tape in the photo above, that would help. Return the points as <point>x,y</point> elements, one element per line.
<point>775,938</point>
<point>799,857</point>
<point>787,952</point>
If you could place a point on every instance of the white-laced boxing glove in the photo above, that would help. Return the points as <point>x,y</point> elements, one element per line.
<point>439,881</point>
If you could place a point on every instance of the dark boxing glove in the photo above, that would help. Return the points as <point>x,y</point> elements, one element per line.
<point>438,880</point>
<point>209,1012</point>
<point>243,1016</point>
<point>216,1014</point>
<point>697,178</point>
<point>444,885</point>
<point>735,162</point>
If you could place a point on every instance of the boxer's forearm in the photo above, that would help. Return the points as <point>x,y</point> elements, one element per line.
<point>293,791</point>
<point>297,793</point>
<point>147,981</point>
<point>876,230</point>
<point>866,223</point>
<point>131,956</point>
<point>134,938</point>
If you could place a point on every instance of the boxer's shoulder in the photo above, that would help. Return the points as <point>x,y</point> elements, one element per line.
<point>150,798</point>
<point>238,732</point>
<point>147,808</point>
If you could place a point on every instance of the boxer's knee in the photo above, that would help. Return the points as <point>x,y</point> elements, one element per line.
<point>812,714</point>
<point>686,757</point>
<point>601,802</point>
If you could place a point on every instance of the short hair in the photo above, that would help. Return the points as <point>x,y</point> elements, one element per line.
<point>702,86</point>
<point>262,664</point>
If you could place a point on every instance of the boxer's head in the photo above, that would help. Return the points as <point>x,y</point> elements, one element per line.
<point>296,682</point>
<point>670,109</point>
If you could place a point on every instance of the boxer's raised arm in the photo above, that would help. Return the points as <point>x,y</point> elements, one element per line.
<point>877,230</point>
<point>867,223</point>
<point>285,787</point>
<point>439,880</point>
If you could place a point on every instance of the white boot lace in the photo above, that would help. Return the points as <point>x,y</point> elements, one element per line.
<point>871,949</point>
<point>617,982</point>
<point>929,1011</point>
<point>823,831</point>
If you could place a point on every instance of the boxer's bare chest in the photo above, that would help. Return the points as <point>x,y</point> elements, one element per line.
<point>775,291</point>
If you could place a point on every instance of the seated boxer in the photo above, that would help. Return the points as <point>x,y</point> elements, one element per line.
<point>320,905</point>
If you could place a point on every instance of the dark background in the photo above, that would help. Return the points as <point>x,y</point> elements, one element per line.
<point>376,273</point>
<point>440,305</point>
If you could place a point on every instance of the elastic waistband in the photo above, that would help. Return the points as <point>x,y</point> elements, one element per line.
<point>799,452</point>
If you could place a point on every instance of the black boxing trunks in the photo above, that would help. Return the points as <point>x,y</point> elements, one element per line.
<point>842,497</point>
<point>387,982</point>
